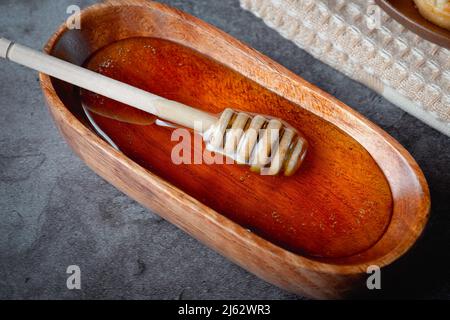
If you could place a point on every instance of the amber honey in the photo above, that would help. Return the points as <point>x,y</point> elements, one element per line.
<point>323,210</point>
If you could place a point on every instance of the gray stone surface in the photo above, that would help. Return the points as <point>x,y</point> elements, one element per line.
<point>55,212</point>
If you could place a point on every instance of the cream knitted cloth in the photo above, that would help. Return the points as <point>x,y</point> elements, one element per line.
<point>362,41</point>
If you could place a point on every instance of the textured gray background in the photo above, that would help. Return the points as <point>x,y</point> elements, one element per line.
<point>55,212</point>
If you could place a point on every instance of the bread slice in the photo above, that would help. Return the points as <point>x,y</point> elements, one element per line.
<point>436,11</point>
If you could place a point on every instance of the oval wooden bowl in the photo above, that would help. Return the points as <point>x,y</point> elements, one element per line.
<point>355,173</point>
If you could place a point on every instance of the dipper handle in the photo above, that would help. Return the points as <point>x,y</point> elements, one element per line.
<point>169,110</point>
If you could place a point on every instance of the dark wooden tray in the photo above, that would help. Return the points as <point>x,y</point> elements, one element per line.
<point>406,13</point>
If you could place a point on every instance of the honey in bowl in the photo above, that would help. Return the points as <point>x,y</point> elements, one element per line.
<point>324,210</point>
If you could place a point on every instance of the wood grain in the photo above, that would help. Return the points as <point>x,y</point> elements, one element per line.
<point>368,161</point>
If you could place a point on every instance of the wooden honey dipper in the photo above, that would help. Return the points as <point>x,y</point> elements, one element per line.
<point>266,144</point>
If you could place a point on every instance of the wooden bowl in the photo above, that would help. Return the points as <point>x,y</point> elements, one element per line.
<point>359,199</point>
<point>407,14</point>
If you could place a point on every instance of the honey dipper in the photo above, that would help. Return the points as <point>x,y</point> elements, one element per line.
<point>266,144</point>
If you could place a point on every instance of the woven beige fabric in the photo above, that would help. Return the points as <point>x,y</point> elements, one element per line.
<point>359,39</point>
